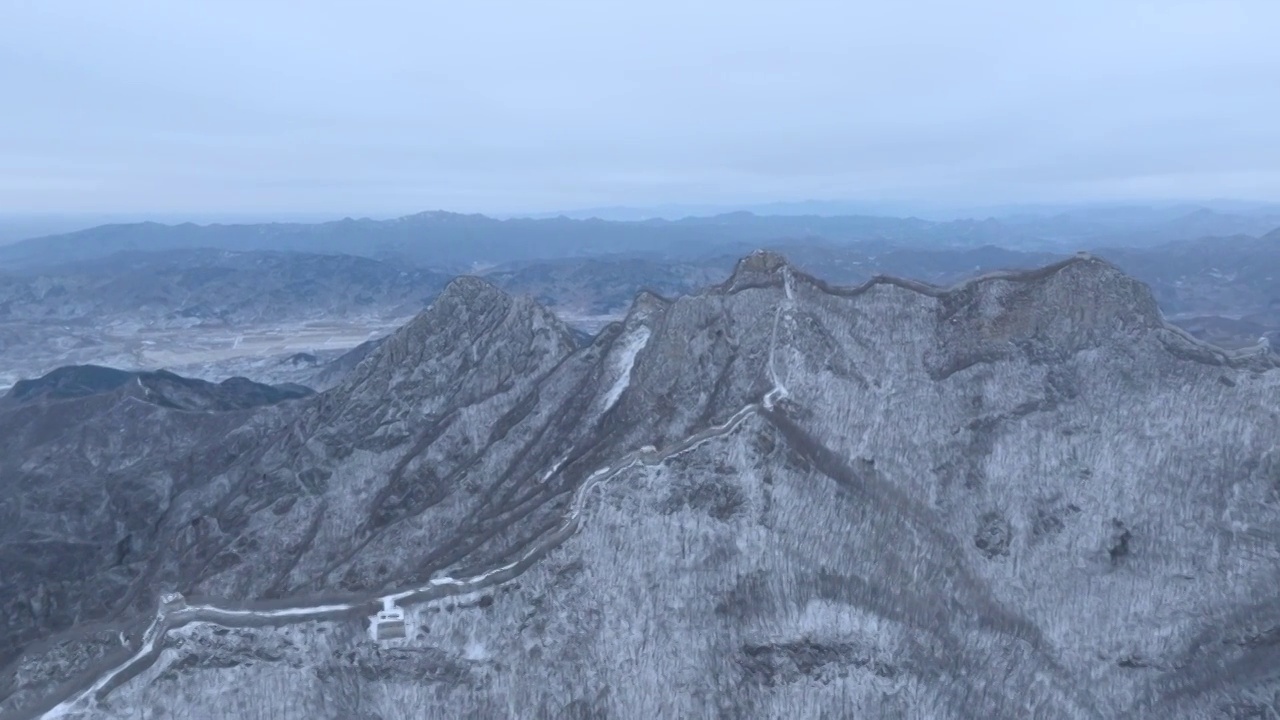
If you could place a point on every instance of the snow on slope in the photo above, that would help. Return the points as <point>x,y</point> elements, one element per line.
<point>631,347</point>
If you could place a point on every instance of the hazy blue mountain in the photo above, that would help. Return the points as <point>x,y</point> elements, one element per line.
<point>23,226</point>
<point>157,387</point>
<point>1111,215</point>
<point>215,286</point>
<point>804,207</point>
<point>463,242</point>
<point>1144,226</point>
<point>1237,276</point>
<point>448,240</point>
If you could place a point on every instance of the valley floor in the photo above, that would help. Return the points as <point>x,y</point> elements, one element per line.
<point>264,353</point>
<point>260,352</point>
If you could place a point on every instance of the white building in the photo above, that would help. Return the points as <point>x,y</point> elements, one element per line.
<point>389,623</point>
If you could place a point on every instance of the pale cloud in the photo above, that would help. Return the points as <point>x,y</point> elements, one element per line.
<point>384,107</point>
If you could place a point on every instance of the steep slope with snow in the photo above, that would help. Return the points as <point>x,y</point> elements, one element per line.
<point>1024,496</point>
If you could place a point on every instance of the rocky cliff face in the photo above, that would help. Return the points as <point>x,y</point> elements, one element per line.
<point>1024,496</point>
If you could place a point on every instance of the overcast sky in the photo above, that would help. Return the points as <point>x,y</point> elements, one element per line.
<point>385,106</point>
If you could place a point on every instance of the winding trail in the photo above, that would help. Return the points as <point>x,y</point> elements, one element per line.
<point>79,697</point>
<point>779,390</point>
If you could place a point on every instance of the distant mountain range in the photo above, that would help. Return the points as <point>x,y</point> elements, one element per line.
<point>161,388</point>
<point>22,226</point>
<point>200,286</point>
<point>462,242</point>
<point>932,211</point>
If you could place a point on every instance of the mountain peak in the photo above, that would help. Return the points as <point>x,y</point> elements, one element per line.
<point>471,288</point>
<point>762,268</point>
<point>466,344</point>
